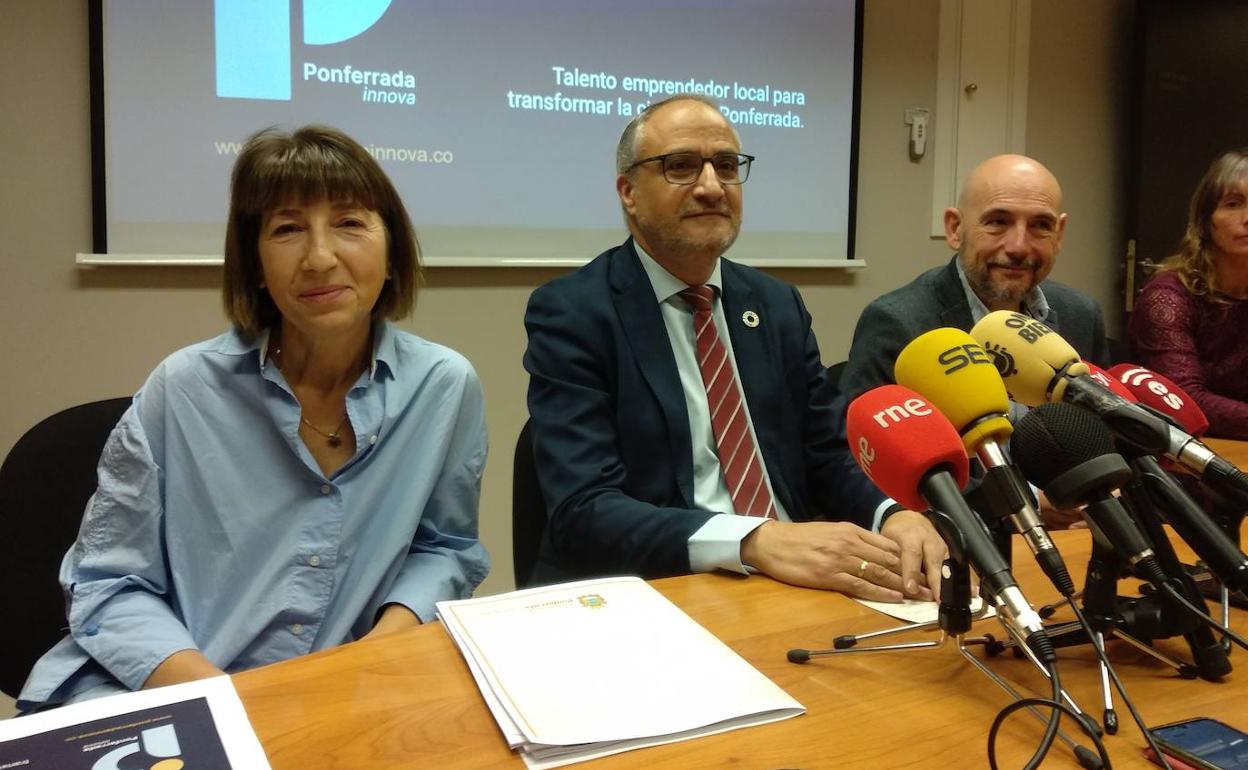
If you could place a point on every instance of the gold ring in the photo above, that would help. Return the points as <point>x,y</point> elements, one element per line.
<point>862,568</point>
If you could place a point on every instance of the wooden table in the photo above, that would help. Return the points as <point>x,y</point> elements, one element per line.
<point>408,701</point>
<point>1235,451</point>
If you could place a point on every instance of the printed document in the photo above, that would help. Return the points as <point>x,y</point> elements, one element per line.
<point>581,670</point>
<point>193,725</point>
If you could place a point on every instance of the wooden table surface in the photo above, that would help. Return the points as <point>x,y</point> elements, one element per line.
<point>408,701</point>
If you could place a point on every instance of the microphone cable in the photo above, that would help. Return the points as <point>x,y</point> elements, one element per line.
<point>1099,761</point>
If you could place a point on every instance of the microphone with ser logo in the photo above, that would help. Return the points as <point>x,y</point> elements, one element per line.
<point>951,369</point>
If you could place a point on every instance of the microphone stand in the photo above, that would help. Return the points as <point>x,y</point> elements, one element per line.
<point>1145,494</point>
<point>1230,518</point>
<point>954,619</point>
<point>1141,620</point>
<point>1111,615</point>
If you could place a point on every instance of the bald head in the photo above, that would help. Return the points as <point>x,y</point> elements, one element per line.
<point>1010,172</point>
<point>1007,228</point>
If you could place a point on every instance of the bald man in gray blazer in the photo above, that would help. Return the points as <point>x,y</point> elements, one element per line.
<point>1007,231</point>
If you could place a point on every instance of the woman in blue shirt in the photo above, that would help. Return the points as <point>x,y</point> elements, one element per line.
<point>308,478</point>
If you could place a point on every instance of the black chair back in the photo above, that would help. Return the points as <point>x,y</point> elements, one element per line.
<point>1119,351</point>
<point>835,371</point>
<point>528,509</point>
<point>45,483</point>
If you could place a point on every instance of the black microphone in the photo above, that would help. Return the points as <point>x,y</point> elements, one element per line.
<point>1069,454</point>
<point>1193,524</point>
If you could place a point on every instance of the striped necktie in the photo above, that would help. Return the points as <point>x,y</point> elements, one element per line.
<point>738,456</point>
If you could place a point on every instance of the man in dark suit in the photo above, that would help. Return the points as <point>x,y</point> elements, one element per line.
<point>646,449</point>
<point>1007,231</point>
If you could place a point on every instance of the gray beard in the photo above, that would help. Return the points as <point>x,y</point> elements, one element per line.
<point>991,294</point>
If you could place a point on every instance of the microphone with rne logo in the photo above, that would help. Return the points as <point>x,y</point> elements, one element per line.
<point>949,367</point>
<point>1152,389</point>
<point>914,454</point>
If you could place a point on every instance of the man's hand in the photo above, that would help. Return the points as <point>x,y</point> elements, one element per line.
<point>922,552</point>
<point>823,554</point>
<point>1059,518</point>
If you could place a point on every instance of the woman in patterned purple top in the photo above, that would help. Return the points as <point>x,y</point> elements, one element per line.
<point>1190,321</point>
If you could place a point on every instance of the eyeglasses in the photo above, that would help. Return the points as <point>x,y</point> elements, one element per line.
<point>686,167</point>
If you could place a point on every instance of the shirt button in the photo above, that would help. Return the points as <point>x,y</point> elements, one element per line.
<point>314,560</point>
<point>372,439</point>
<point>326,489</point>
<point>92,629</point>
<point>296,629</point>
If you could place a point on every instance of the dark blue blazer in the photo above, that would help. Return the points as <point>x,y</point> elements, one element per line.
<point>611,431</point>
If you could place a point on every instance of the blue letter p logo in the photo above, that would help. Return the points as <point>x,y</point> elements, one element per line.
<point>253,40</point>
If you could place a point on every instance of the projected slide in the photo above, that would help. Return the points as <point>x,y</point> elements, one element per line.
<point>497,119</point>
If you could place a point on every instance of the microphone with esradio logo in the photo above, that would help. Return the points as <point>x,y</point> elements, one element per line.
<point>1038,366</point>
<point>1212,543</point>
<point>916,457</point>
<point>1152,389</point>
<point>950,368</point>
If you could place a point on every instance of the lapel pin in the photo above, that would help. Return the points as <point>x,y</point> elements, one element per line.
<point>750,318</point>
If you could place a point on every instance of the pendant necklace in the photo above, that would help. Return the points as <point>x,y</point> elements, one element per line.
<point>333,439</point>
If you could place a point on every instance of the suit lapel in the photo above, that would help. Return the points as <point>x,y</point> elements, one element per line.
<point>955,312</point>
<point>644,329</point>
<point>1053,323</point>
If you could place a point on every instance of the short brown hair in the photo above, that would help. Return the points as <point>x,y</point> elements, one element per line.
<point>1195,263</point>
<point>313,163</point>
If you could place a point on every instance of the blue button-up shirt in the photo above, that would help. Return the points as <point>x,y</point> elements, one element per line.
<point>213,528</point>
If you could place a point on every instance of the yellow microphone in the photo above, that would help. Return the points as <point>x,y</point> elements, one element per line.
<point>955,373</point>
<point>959,378</point>
<point>1030,357</point>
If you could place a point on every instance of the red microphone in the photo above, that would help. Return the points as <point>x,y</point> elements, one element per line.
<point>1152,389</point>
<point>896,436</point>
<point>912,452</point>
<point>1109,381</point>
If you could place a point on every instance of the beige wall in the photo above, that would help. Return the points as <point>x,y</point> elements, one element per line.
<point>69,335</point>
<point>1077,123</point>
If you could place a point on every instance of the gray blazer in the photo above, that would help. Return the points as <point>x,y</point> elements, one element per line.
<point>936,299</point>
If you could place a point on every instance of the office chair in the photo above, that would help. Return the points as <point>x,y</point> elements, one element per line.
<point>1119,351</point>
<point>528,509</point>
<point>835,371</point>
<point>45,483</point>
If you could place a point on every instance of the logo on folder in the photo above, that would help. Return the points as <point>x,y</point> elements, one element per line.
<point>253,40</point>
<point>593,601</point>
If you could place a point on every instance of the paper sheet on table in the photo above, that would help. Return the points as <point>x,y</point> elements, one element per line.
<point>915,611</point>
<point>199,724</point>
<point>600,666</point>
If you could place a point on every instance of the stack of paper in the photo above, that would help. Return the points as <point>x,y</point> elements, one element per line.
<point>581,670</point>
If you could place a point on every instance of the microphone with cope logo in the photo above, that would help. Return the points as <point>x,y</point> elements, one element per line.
<point>1038,366</point>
